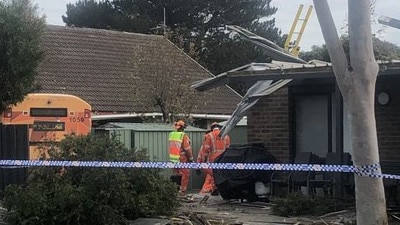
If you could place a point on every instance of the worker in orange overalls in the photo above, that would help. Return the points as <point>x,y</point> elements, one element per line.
<point>180,150</point>
<point>212,147</point>
<point>201,157</point>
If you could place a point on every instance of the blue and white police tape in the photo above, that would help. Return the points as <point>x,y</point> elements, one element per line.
<point>367,170</point>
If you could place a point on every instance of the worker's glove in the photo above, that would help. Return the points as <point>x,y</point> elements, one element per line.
<point>198,172</point>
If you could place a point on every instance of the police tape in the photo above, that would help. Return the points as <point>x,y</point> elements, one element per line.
<point>367,170</point>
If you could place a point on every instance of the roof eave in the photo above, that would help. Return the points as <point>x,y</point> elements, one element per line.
<point>299,73</point>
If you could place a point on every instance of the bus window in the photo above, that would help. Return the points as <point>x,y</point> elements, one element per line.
<point>46,112</point>
<point>49,117</point>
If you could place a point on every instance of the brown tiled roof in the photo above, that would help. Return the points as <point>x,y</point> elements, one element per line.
<point>99,65</point>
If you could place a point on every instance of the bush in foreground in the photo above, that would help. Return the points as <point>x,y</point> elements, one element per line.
<point>78,195</point>
<point>299,205</point>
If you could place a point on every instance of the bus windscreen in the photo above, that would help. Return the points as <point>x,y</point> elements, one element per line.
<point>49,112</point>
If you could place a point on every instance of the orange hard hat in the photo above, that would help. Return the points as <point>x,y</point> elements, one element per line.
<point>180,123</point>
<point>215,125</point>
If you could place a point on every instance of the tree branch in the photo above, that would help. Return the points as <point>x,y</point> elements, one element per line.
<point>332,40</point>
<point>361,50</point>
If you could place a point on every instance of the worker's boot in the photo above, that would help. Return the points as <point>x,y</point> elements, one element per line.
<point>215,192</point>
<point>181,194</point>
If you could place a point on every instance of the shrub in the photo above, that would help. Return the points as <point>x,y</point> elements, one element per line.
<point>78,195</point>
<point>297,204</point>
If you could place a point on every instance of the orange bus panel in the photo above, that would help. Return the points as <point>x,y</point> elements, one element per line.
<point>50,117</point>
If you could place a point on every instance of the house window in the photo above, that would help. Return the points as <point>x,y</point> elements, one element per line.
<point>312,128</point>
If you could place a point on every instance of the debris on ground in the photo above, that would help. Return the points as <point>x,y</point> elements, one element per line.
<point>213,210</point>
<point>187,198</point>
<point>150,221</point>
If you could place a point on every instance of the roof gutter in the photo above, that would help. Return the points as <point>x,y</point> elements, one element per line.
<point>124,115</point>
<point>135,115</point>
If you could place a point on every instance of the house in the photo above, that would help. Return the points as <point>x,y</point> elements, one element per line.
<point>294,106</point>
<point>299,108</point>
<point>306,113</point>
<point>103,66</point>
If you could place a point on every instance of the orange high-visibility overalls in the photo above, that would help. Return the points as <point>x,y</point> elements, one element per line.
<point>212,147</point>
<point>180,151</point>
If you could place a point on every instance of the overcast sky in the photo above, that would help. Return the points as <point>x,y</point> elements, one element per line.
<point>54,9</point>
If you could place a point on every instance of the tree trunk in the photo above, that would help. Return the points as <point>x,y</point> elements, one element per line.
<point>356,81</point>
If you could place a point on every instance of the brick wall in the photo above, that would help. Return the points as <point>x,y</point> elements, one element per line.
<point>388,121</point>
<point>268,123</point>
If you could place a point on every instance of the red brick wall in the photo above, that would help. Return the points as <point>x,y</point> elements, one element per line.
<point>268,123</point>
<point>388,122</point>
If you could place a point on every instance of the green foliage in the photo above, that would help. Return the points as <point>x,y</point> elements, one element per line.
<point>78,195</point>
<point>20,30</point>
<point>90,13</point>
<point>316,53</point>
<point>383,50</point>
<point>297,204</point>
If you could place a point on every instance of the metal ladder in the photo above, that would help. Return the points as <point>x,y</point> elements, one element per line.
<point>291,45</point>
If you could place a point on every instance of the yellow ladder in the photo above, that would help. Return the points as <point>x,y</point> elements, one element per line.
<point>293,46</point>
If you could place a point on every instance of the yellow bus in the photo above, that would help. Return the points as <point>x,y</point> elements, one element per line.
<point>49,117</point>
